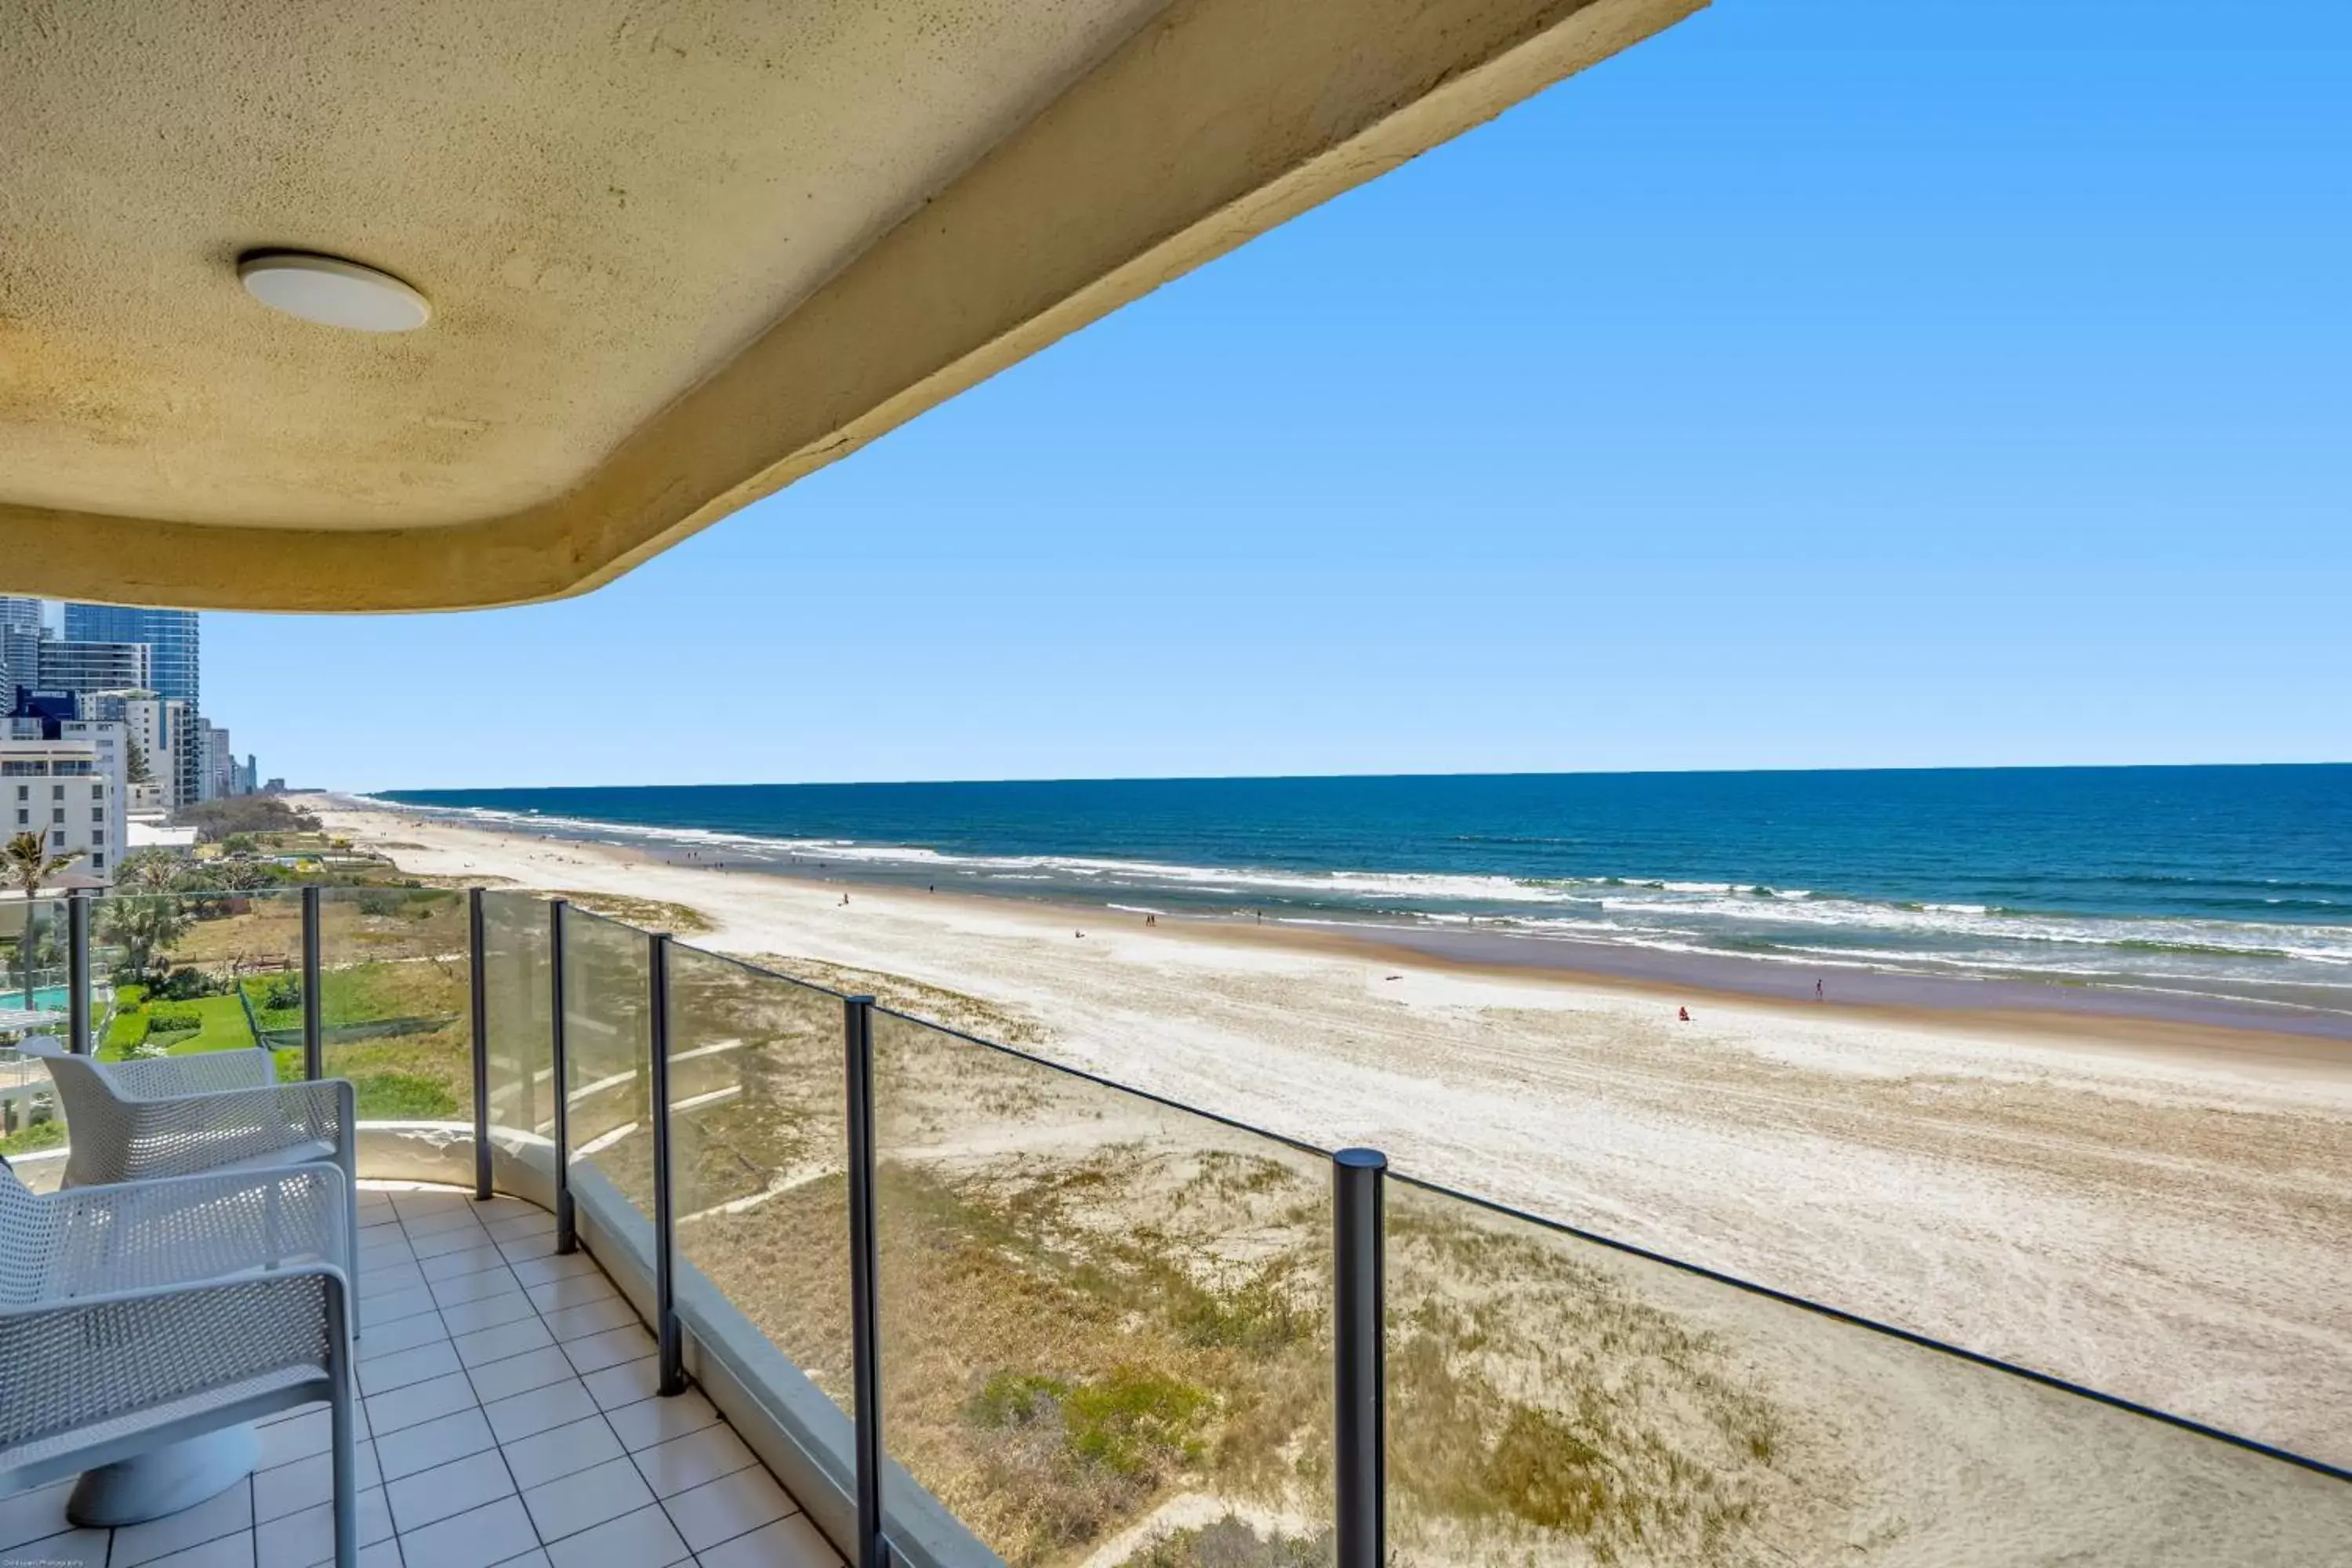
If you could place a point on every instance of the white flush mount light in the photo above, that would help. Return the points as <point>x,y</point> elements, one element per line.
<point>332,292</point>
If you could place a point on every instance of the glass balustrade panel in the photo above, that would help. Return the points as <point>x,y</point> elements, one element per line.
<point>518,1005</point>
<point>395,1002</point>
<point>608,1045</point>
<point>1105,1320</point>
<point>1553,1400</point>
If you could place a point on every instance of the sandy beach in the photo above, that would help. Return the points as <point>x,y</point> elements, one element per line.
<point>2162,1211</point>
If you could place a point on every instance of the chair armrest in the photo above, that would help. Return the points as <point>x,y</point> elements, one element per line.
<point>142,1237</point>
<point>206,1072</point>
<point>190,1132</point>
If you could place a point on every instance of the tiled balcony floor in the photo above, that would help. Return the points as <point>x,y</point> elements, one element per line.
<point>509,1418</point>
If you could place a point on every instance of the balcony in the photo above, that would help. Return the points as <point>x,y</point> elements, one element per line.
<point>969,1307</point>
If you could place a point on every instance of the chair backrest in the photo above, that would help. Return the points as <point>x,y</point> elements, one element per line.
<point>82,1089</point>
<point>24,1239</point>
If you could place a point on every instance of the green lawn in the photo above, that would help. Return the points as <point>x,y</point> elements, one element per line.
<point>221,1026</point>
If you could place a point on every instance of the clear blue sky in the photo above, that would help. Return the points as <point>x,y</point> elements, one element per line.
<point>1817,384</point>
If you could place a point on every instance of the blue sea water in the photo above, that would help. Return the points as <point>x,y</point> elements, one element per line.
<point>2208,881</point>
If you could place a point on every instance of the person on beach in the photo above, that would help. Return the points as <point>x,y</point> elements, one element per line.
<point>1817,990</point>
<point>1682,1015</point>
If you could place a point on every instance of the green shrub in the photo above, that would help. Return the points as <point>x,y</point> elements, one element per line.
<point>1124,1422</point>
<point>49,1134</point>
<point>186,984</point>
<point>283,994</point>
<point>1131,1416</point>
<point>173,1018</point>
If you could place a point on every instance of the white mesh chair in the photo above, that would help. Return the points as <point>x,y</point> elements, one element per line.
<point>214,1110</point>
<point>154,1313</point>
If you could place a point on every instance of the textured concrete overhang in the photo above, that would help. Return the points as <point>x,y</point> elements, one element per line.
<point>680,255</point>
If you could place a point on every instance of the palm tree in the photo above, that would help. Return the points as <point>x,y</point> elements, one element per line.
<point>28,863</point>
<point>143,929</point>
<point>148,871</point>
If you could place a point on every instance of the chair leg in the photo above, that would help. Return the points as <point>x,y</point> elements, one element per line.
<point>344,1427</point>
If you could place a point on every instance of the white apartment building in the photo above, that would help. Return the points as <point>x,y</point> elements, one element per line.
<point>165,737</point>
<point>69,792</point>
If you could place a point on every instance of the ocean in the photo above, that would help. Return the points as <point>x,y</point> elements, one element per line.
<point>2230,883</point>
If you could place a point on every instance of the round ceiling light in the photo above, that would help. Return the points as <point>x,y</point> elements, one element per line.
<point>332,292</point>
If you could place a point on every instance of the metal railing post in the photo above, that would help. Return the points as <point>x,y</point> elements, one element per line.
<point>313,1036</point>
<point>864,1313</point>
<point>567,1234</point>
<point>77,981</point>
<point>666,1338</point>
<point>1359,1428</point>
<point>476,946</point>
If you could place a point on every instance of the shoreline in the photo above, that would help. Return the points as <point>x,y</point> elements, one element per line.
<point>2089,1008</point>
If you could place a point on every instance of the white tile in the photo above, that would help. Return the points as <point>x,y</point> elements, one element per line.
<point>534,1558</point>
<point>540,1271</point>
<point>497,1281</point>
<point>787,1543</point>
<point>431,1201</point>
<point>430,1495</point>
<point>550,1455</point>
<point>491,1211</point>
<point>590,1318</point>
<point>74,1549</point>
<point>477,1539</point>
<point>33,1515</point>
<point>227,1551</point>
<point>684,1462</point>
<point>229,1513</point>
<point>458,1261</point>
<point>624,1385</point>
<point>389,1280</point>
<point>523,1248</point>
<point>381,1309</point>
<point>433,1442</point>
<point>388,1412</point>
<point>729,1507</point>
<point>317,1415</point>
<point>472,1317</point>
<point>644,1539</point>
<point>401,1334</point>
<point>610,1348</point>
<point>577,1290</point>
<point>658,1420</point>
<point>519,1373</point>
<point>539,1223</point>
<point>486,1345</point>
<point>306,1482</point>
<point>557,1404</point>
<point>401,1368</point>
<point>381,1248</point>
<point>438,1221</point>
<point>586,1498</point>
<point>306,1539</point>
